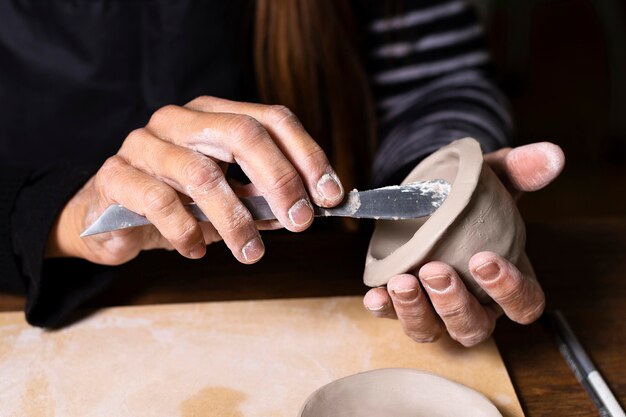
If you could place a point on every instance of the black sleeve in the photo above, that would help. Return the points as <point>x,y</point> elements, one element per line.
<point>30,202</point>
<point>12,180</point>
<point>433,84</point>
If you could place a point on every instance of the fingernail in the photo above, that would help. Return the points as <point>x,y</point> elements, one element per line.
<point>198,251</point>
<point>488,271</point>
<point>438,283</point>
<point>329,187</point>
<point>253,250</point>
<point>301,213</point>
<point>405,294</point>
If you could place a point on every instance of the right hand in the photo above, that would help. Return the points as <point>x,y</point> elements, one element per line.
<point>181,155</point>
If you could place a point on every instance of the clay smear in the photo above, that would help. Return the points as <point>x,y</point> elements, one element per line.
<point>352,204</point>
<point>438,189</point>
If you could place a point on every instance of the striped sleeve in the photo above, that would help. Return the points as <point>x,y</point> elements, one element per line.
<point>430,72</point>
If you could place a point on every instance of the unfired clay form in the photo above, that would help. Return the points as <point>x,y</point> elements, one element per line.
<point>397,392</point>
<point>478,215</point>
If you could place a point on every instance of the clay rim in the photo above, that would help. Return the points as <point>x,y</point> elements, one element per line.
<point>382,372</point>
<point>409,255</point>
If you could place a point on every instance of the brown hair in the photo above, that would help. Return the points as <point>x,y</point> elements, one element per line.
<point>307,58</point>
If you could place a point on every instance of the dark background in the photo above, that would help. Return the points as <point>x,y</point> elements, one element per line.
<point>563,65</point>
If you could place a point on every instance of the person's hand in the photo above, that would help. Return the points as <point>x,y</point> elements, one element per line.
<point>437,300</point>
<point>181,155</point>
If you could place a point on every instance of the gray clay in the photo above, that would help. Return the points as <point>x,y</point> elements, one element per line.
<point>397,392</point>
<point>478,215</point>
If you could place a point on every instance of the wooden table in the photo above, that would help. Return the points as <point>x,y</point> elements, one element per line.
<point>581,263</point>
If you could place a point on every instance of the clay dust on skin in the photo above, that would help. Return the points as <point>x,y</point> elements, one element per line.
<point>544,160</point>
<point>207,142</point>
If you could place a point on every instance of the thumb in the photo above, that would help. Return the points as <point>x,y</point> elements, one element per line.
<point>532,167</point>
<point>529,167</point>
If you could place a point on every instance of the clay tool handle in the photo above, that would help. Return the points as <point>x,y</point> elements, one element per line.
<point>396,202</point>
<point>584,370</point>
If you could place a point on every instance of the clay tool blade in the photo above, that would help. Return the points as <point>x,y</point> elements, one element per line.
<point>409,201</point>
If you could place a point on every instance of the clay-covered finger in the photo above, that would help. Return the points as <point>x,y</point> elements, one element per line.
<point>240,139</point>
<point>519,294</point>
<point>202,179</point>
<point>466,320</point>
<point>529,167</point>
<point>121,183</point>
<point>293,140</point>
<point>532,167</point>
<point>413,309</point>
<point>378,302</point>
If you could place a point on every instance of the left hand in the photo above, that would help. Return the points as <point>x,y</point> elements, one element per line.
<point>452,307</point>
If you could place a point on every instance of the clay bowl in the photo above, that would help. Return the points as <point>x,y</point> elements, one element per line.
<point>397,392</point>
<point>478,215</point>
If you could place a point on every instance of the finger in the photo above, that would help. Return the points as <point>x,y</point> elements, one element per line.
<point>532,167</point>
<point>202,179</point>
<point>121,183</point>
<point>293,140</point>
<point>466,319</point>
<point>414,311</point>
<point>241,139</point>
<point>519,295</point>
<point>529,167</point>
<point>378,302</point>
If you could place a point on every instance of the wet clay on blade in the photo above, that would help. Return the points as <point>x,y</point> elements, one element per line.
<point>397,392</point>
<point>478,215</point>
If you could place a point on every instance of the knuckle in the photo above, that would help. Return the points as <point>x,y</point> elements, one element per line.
<point>202,175</point>
<point>280,115</point>
<point>414,316</point>
<point>532,313</point>
<point>239,220</point>
<point>160,200</point>
<point>134,142</point>
<point>137,135</point>
<point>202,102</point>
<point>164,115</point>
<point>185,234</point>
<point>283,182</point>
<point>317,156</point>
<point>315,159</point>
<point>511,296</point>
<point>110,168</point>
<point>247,130</point>
<point>454,312</point>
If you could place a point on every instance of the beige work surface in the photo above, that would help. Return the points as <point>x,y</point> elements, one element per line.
<point>226,359</point>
